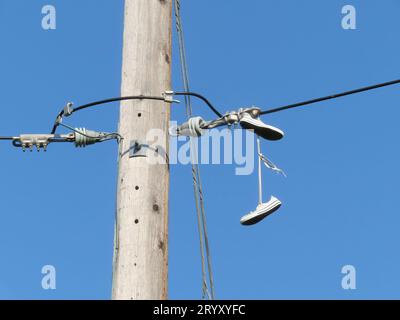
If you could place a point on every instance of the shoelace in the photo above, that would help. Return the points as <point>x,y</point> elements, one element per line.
<point>270,165</point>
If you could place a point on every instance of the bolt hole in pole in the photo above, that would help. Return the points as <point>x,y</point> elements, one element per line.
<point>139,115</point>
<point>136,221</point>
<point>137,188</point>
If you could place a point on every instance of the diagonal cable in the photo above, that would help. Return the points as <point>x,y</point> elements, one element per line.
<point>201,216</point>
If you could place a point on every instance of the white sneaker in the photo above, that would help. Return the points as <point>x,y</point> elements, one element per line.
<point>260,128</point>
<point>262,211</point>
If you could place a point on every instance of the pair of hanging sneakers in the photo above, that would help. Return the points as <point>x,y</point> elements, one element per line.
<point>268,132</point>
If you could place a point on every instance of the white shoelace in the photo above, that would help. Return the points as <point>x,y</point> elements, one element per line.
<point>270,165</point>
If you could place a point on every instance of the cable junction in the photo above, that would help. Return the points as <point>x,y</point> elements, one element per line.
<point>250,122</point>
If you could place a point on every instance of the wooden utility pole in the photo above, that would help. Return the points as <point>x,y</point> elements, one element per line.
<point>141,241</point>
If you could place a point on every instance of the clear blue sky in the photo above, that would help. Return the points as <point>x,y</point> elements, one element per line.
<point>341,157</point>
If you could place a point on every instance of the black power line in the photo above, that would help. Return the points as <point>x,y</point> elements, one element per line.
<point>141,97</point>
<point>92,104</point>
<point>96,103</point>
<point>193,94</point>
<point>334,96</point>
<point>209,104</point>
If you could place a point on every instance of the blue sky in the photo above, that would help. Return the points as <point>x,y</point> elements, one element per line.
<point>339,200</point>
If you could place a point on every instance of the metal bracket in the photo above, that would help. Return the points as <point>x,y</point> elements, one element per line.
<point>169,97</point>
<point>68,110</point>
<point>253,111</point>
<point>138,149</point>
<point>28,141</point>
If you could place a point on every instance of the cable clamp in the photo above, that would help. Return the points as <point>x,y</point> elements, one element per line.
<point>59,119</point>
<point>40,141</point>
<point>68,110</point>
<point>169,97</point>
<point>138,148</point>
<point>254,112</point>
<point>231,118</point>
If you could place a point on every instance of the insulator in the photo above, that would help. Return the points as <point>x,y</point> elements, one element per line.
<point>192,128</point>
<point>85,137</point>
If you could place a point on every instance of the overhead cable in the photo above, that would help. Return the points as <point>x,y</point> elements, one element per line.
<point>100,102</point>
<point>330,97</point>
<point>198,191</point>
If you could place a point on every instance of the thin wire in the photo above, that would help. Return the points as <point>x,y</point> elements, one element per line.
<point>100,102</point>
<point>259,172</point>
<point>199,224</point>
<point>198,192</point>
<point>108,136</point>
<point>330,97</point>
<point>207,242</point>
<point>116,216</point>
<point>194,169</point>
